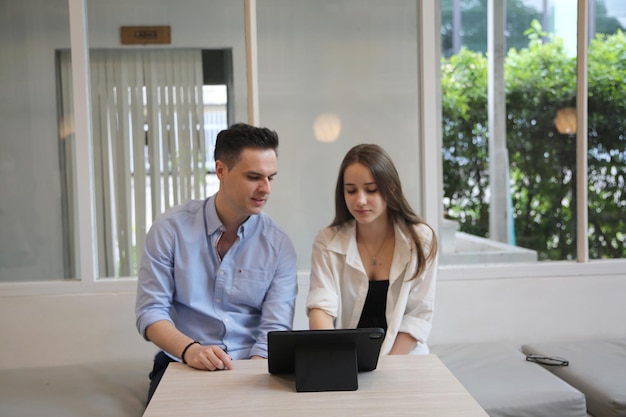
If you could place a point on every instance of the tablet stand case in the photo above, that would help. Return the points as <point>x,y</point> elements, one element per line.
<point>326,368</point>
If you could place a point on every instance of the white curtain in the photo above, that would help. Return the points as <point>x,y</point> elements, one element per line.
<point>149,146</point>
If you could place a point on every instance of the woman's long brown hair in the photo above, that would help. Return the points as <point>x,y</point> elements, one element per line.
<point>376,159</point>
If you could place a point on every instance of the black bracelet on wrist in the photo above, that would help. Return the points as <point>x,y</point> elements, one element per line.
<point>182,355</point>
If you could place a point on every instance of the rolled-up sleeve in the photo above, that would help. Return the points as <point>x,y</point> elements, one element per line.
<point>323,285</point>
<point>417,320</point>
<point>155,282</point>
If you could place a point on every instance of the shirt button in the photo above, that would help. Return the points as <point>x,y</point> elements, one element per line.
<point>221,272</point>
<point>218,300</point>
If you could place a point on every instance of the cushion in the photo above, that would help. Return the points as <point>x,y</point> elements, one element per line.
<point>115,389</point>
<point>498,376</point>
<point>596,367</point>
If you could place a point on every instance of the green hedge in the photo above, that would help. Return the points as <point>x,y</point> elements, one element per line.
<point>540,80</point>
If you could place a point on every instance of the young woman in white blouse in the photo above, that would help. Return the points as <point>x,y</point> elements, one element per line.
<point>376,264</point>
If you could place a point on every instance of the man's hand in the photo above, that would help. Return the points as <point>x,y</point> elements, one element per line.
<point>211,358</point>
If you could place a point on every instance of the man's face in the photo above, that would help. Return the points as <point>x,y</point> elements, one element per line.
<point>245,188</point>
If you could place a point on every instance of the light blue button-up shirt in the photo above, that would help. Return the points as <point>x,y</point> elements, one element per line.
<point>233,303</point>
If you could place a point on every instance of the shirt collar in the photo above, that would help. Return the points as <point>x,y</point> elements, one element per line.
<point>341,241</point>
<point>214,224</point>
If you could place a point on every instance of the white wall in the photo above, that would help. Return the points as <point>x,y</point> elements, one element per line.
<point>528,309</point>
<point>48,330</point>
<point>51,330</point>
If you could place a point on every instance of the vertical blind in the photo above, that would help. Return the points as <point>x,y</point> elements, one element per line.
<point>149,146</point>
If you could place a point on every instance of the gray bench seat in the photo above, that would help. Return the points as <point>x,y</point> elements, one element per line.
<point>506,385</point>
<point>596,367</point>
<point>109,389</point>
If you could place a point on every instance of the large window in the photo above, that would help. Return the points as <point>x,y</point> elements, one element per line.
<point>539,140</point>
<point>348,70</point>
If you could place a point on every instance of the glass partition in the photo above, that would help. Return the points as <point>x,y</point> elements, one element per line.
<point>333,74</point>
<point>34,235</point>
<point>157,105</point>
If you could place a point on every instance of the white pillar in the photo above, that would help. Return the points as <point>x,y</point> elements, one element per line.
<point>499,213</point>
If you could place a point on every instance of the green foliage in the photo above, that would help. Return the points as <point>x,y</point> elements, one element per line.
<point>540,80</point>
<point>607,145</point>
<point>465,158</point>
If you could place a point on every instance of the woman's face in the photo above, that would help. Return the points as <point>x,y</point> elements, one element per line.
<point>362,197</point>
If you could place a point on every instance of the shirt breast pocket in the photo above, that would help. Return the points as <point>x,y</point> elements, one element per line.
<point>250,286</point>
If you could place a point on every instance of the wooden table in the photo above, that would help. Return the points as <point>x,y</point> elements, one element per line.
<point>415,385</point>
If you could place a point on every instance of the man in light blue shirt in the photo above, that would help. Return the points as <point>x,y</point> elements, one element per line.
<point>217,275</point>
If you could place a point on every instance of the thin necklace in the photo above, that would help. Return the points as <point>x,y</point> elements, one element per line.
<point>378,251</point>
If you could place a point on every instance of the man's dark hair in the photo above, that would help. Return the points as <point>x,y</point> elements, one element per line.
<point>230,142</point>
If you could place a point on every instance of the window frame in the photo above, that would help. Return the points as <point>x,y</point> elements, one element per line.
<point>429,120</point>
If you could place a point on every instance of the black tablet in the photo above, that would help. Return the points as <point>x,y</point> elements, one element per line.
<point>283,345</point>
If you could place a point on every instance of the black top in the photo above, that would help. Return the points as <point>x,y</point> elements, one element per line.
<point>373,314</point>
